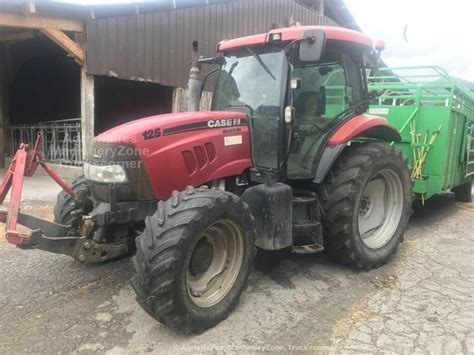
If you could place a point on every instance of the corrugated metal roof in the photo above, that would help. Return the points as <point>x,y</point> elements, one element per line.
<point>75,9</point>
<point>157,46</point>
<point>84,11</point>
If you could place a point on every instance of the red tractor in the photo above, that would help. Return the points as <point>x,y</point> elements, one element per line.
<point>285,160</point>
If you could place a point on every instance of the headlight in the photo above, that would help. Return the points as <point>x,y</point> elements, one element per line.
<point>105,173</point>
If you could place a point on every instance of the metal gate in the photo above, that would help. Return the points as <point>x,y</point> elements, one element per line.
<point>61,143</point>
<point>470,152</point>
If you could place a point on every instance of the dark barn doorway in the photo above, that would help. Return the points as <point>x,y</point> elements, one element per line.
<point>45,83</point>
<point>119,101</point>
<point>44,95</point>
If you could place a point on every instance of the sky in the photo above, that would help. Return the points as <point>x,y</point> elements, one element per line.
<point>438,32</point>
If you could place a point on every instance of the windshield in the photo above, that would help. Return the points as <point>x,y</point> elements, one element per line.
<point>253,80</point>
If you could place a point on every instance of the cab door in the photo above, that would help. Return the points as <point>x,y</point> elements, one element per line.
<point>328,88</point>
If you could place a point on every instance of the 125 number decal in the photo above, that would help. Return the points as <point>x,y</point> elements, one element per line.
<point>152,133</point>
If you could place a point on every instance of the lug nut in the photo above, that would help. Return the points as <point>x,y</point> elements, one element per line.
<point>82,257</point>
<point>87,245</point>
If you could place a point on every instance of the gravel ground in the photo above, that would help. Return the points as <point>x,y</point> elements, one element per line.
<point>421,302</point>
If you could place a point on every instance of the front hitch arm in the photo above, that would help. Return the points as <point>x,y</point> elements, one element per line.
<point>45,235</point>
<point>55,238</point>
<point>24,163</point>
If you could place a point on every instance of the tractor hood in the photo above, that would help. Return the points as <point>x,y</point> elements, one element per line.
<point>176,150</point>
<point>135,132</point>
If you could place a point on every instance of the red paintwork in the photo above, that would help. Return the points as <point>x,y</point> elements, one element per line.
<point>357,125</point>
<point>163,156</point>
<point>14,180</point>
<point>23,164</point>
<point>292,33</point>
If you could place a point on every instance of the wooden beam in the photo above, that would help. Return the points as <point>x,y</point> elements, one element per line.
<point>3,103</point>
<point>87,112</point>
<point>16,36</point>
<point>62,40</point>
<point>178,100</point>
<point>11,20</point>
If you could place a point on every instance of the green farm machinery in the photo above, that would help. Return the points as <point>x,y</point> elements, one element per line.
<point>435,115</point>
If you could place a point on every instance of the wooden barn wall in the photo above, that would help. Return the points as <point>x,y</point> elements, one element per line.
<point>156,47</point>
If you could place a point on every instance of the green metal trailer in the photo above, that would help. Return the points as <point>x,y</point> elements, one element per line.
<point>435,115</point>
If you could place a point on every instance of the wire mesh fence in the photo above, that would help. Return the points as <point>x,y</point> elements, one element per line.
<point>61,142</point>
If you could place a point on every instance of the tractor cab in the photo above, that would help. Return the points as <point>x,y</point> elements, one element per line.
<point>297,85</point>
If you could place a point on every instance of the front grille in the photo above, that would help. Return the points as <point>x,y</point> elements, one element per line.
<point>190,162</point>
<point>201,156</point>
<point>211,151</point>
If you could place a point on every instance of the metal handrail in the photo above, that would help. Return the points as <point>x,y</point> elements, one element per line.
<point>438,73</point>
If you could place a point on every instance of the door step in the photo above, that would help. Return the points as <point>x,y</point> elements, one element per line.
<point>307,228</point>
<point>307,249</point>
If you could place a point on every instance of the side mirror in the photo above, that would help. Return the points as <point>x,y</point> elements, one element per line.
<point>312,45</point>
<point>289,114</point>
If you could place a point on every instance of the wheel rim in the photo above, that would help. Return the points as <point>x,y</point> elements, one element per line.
<point>215,263</point>
<point>380,209</point>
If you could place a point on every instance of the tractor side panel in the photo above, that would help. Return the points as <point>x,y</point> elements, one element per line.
<point>190,148</point>
<point>194,158</point>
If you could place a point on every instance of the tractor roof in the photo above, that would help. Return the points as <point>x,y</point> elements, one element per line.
<point>292,33</point>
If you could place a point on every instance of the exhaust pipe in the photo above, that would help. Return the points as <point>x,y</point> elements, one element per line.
<point>193,92</point>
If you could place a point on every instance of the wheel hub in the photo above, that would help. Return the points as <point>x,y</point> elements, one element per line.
<point>215,263</point>
<point>202,257</point>
<point>365,206</point>
<point>380,209</point>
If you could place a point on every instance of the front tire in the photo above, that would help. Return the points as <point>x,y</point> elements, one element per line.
<point>366,199</point>
<point>65,204</point>
<point>194,258</point>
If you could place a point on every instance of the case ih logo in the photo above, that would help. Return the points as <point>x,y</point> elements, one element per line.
<point>226,122</point>
<point>195,126</point>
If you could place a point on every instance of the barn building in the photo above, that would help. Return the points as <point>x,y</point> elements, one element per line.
<point>73,71</point>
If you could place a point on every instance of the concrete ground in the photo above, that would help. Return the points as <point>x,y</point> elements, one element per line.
<point>422,302</point>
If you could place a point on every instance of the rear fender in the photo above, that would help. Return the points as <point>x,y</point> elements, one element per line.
<point>361,126</point>
<point>366,126</point>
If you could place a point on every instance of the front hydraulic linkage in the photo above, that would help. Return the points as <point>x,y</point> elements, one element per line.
<point>45,235</point>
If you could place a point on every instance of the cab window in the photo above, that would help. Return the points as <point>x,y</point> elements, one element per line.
<point>328,87</point>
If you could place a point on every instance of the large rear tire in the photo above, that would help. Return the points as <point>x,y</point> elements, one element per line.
<point>463,193</point>
<point>366,199</point>
<point>194,258</point>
